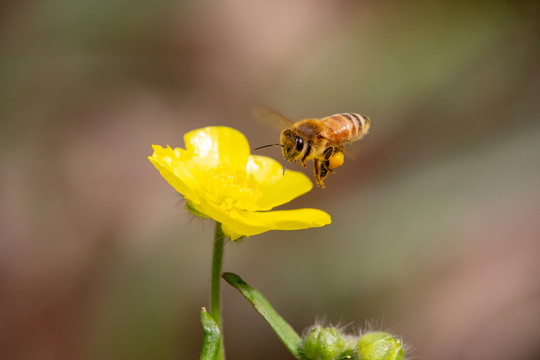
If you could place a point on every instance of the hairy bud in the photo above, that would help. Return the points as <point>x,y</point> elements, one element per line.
<point>324,343</point>
<point>379,346</point>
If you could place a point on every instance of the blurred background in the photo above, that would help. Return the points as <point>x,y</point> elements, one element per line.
<point>436,220</point>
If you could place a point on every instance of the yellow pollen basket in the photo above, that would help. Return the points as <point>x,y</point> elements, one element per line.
<point>336,160</point>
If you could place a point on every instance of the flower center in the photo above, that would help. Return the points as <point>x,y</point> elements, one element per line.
<point>233,189</point>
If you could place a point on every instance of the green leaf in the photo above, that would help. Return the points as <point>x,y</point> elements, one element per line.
<point>284,331</point>
<point>211,338</point>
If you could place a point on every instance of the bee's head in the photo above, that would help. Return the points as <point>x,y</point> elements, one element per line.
<point>292,145</point>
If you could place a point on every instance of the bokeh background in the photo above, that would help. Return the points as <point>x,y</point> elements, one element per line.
<point>436,220</point>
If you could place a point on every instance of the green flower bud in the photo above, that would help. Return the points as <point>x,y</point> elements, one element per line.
<point>324,344</point>
<point>379,346</point>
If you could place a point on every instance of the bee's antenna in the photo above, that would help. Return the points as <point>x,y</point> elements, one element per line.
<point>265,146</point>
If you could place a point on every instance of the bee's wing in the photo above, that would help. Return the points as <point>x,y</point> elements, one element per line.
<point>271,117</point>
<point>353,152</point>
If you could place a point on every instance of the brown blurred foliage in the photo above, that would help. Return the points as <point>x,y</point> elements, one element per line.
<point>436,225</point>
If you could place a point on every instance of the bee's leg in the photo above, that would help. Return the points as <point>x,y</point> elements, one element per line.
<point>306,154</point>
<point>326,166</point>
<point>328,153</point>
<point>323,171</point>
<point>316,170</point>
<point>320,173</point>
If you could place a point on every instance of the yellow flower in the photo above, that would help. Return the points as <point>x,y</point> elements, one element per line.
<point>221,180</point>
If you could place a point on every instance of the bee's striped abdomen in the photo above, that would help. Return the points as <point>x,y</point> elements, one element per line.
<point>347,127</point>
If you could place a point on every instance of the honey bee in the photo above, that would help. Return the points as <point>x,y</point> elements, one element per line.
<point>321,140</point>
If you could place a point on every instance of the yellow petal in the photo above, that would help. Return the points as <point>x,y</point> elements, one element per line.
<point>218,145</point>
<point>249,223</point>
<point>276,188</point>
<point>174,166</point>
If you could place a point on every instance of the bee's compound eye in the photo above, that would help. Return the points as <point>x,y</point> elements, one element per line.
<point>299,144</point>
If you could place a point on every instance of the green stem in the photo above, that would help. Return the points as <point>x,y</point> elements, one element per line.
<point>215,289</point>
